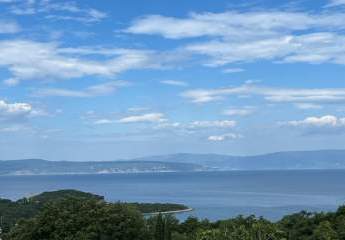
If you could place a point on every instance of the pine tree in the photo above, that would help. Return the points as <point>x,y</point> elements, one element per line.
<point>159,231</point>
<point>167,230</point>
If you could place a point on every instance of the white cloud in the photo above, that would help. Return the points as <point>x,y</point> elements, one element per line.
<point>175,83</point>
<point>231,37</point>
<point>335,3</point>
<point>92,91</point>
<point>324,121</point>
<point>49,61</point>
<point>138,109</point>
<point>194,125</point>
<point>87,15</point>
<point>148,117</point>
<point>328,124</point>
<point>211,124</point>
<point>271,94</point>
<point>307,106</point>
<point>11,82</point>
<point>170,125</point>
<point>210,95</point>
<point>18,111</point>
<point>233,70</point>
<point>105,88</point>
<point>39,113</point>
<point>224,137</point>
<point>14,128</point>
<point>103,121</point>
<point>14,109</point>
<point>59,92</point>
<point>234,25</point>
<point>245,111</point>
<point>313,48</point>
<point>67,10</point>
<point>9,27</point>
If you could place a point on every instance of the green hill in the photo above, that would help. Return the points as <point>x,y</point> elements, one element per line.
<point>12,211</point>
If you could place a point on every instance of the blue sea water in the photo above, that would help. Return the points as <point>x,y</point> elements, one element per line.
<point>213,195</point>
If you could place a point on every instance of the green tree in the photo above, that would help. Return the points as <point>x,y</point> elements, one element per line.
<point>213,234</point>
<point>190,227</point>
<point>76,219</point>
<point>159,229</point>
<point>325,232</point>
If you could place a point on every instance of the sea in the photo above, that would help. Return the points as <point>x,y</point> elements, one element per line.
<point>212,195</point>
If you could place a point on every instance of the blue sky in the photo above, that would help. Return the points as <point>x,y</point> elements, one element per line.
<point>105,80</point>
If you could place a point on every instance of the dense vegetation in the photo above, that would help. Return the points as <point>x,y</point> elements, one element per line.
<point>25,208</point>
<point>73,218</point>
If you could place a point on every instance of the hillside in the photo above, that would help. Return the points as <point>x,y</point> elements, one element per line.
<point>43,167</point>
<point>12,211</point>
<point>323,159</point>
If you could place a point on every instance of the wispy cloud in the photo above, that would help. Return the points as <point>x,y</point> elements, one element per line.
<point>235,25</point>
<point>42,61</point>
<point>233,70</point>
<point>67,10</point>
<point>198,125</point>
<point>92,91</point>
<point>232,37</point>
<point>335,3</point>
<point>208,124</point>
<point>224,137</point>
<point>328,120</point>
<point>147,117</point>
<point>307,106</point>
<point>175,83</point>
<point>323,47</point>
<point>271,94</point>
<point>137,109</point>
<point>328,124</point>
<point>235,111</point>
<point>9,27</point>
<point>103,121</point>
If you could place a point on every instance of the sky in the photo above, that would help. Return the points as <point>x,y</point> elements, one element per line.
<point>107,80</point>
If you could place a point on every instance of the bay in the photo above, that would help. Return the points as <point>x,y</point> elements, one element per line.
<point>212,195</point>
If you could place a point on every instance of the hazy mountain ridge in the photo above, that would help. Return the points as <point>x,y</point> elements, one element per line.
<point>323,159</point>
<point>43,167</point>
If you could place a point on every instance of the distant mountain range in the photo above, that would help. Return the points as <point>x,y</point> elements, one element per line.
<point>323,159</point>
<point>43,167</point>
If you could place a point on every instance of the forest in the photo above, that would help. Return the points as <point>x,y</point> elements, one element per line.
<point>74,215</point>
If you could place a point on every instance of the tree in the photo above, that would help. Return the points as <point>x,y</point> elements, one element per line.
<point>73,219</point>
<point>159,229</point>
<point>190,227</point>
<point>210,235</point>
<point>325,232</point>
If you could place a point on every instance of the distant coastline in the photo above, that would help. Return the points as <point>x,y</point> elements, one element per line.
<point>298,160</point>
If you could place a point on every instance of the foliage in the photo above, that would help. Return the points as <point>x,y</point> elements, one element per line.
<point>25,208</point>
<point>71,219</point>
<point>91,218</point>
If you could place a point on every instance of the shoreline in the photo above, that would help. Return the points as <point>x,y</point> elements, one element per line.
<point>171,212</point>
<point>157,172</point>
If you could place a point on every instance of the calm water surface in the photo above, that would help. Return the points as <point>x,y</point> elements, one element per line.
<point>215,195</point>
